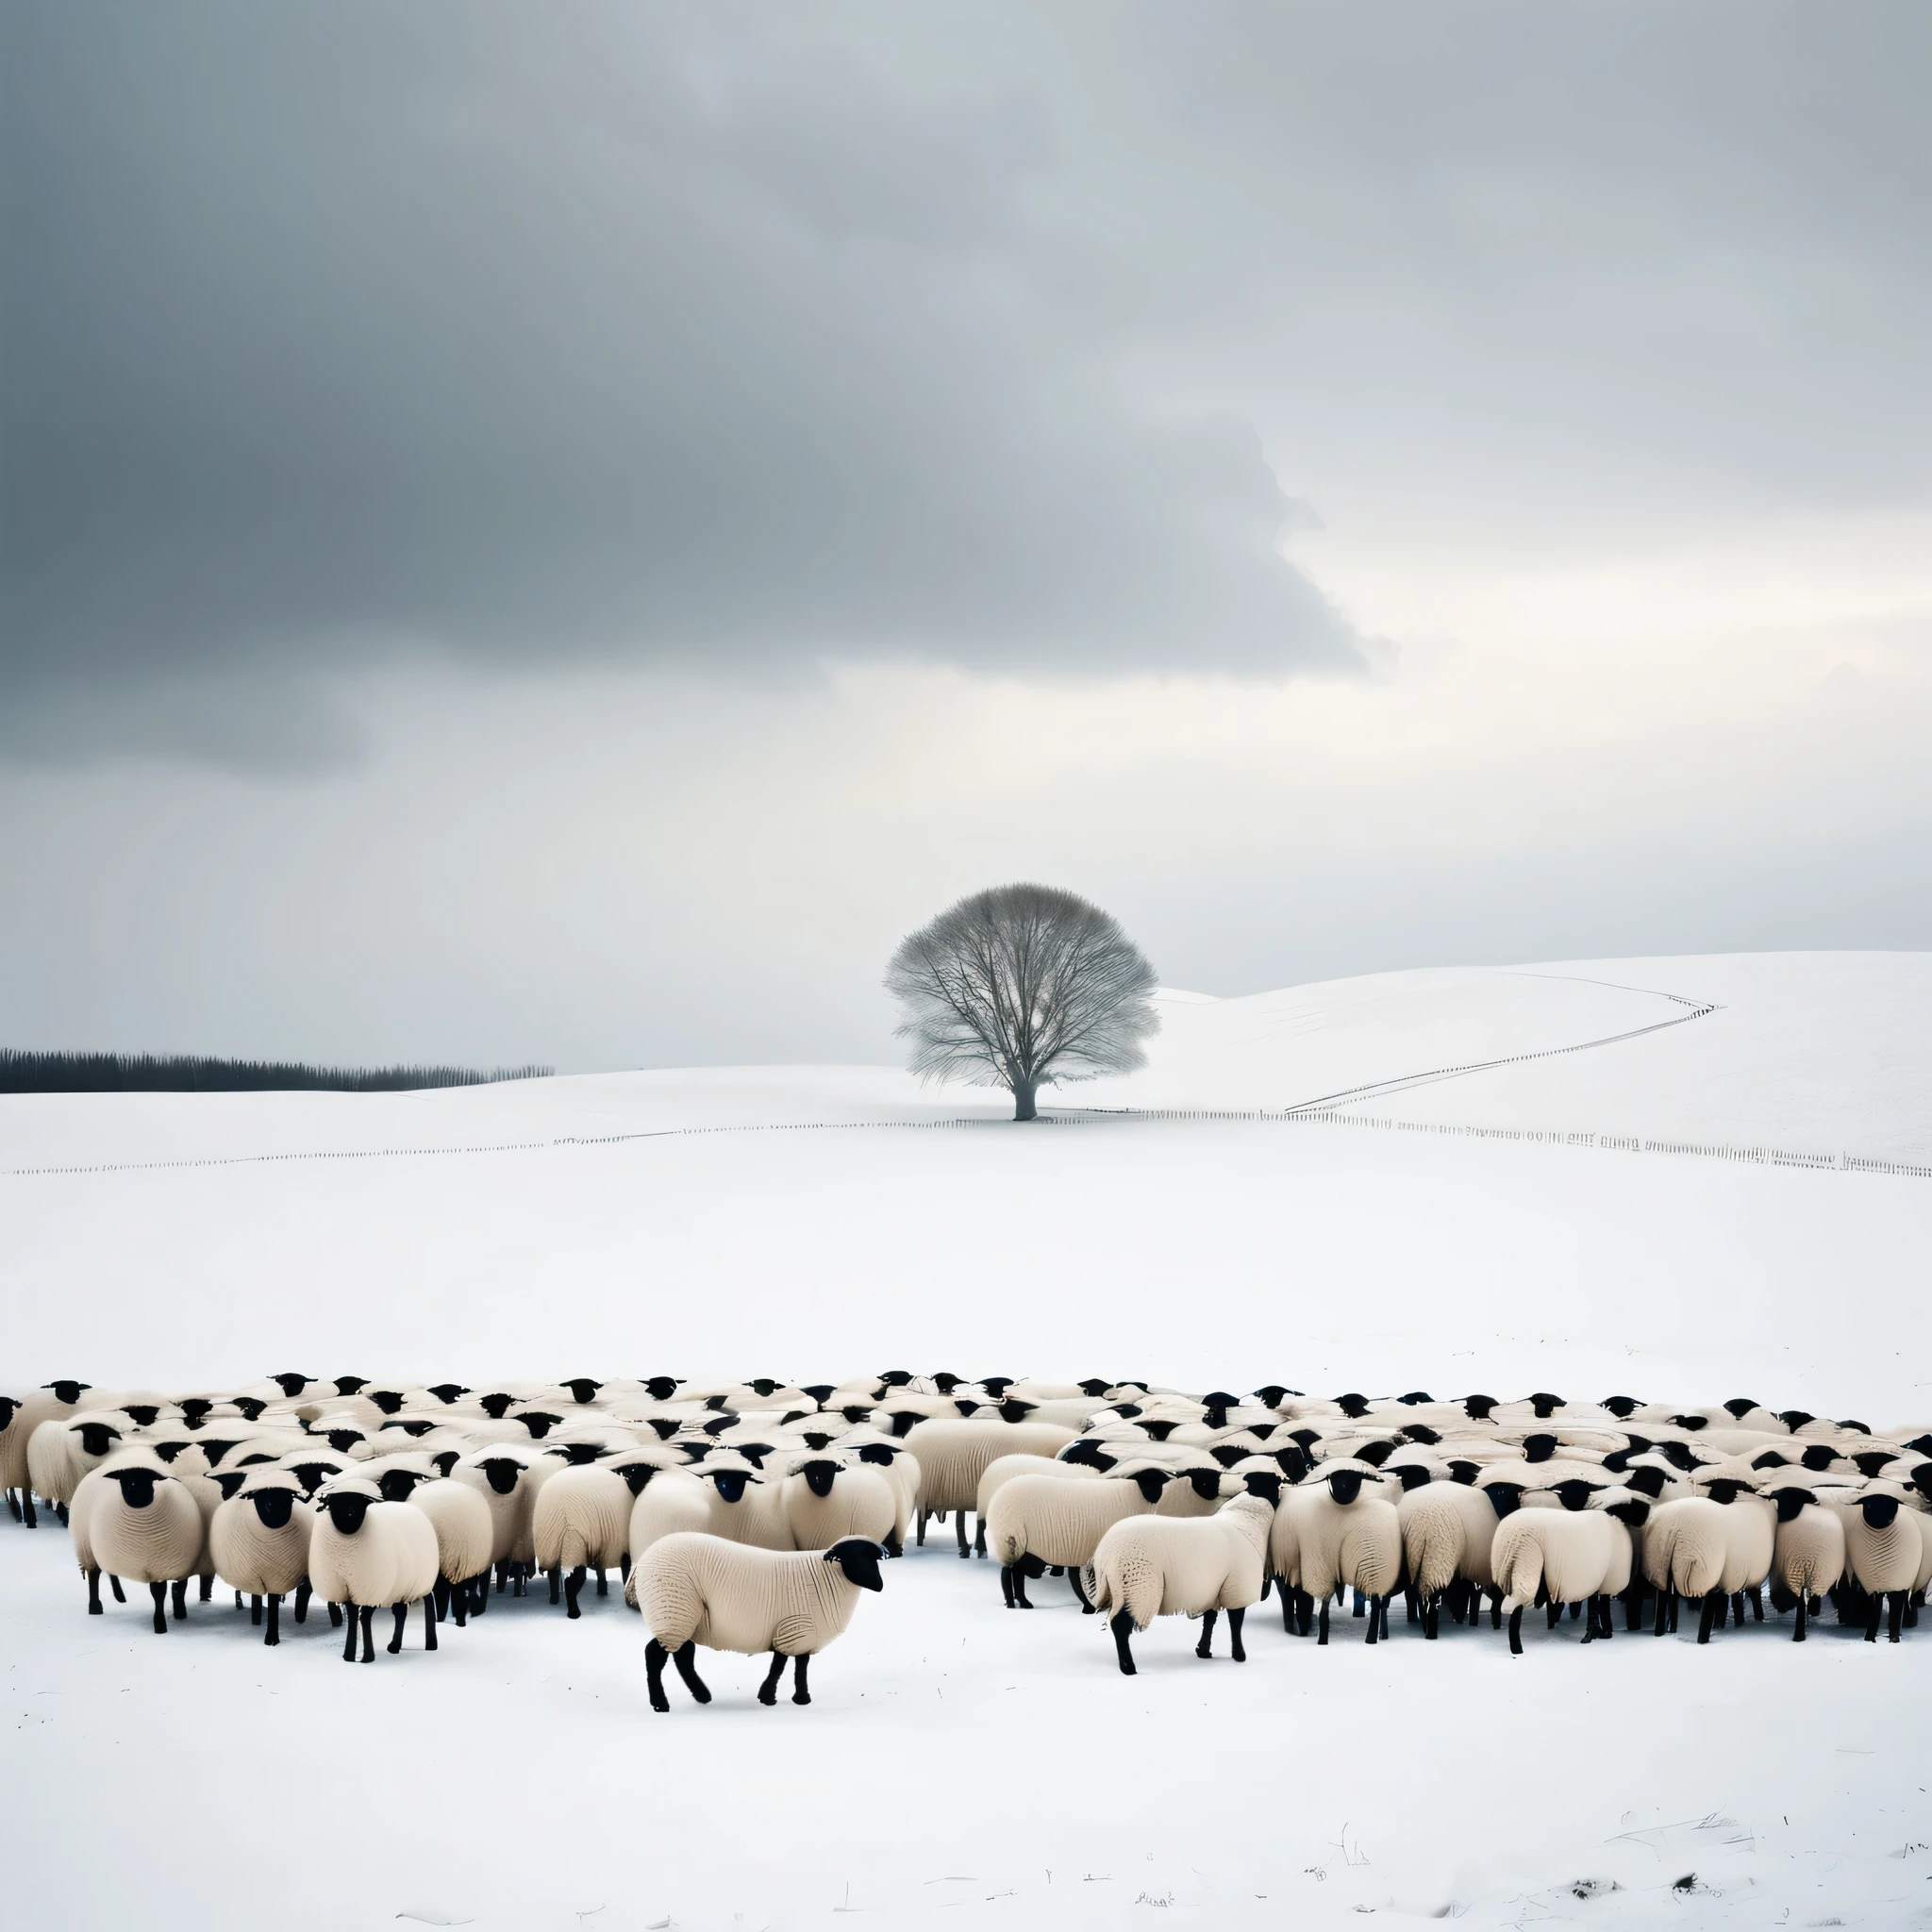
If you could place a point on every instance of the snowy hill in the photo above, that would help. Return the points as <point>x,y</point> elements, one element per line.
<point>658,1216</point>
<point>817,1222</point>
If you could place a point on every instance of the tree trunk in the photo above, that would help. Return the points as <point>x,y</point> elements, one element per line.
<point>1024,1108</point>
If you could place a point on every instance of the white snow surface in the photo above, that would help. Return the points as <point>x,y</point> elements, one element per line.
<point>962,1764</point>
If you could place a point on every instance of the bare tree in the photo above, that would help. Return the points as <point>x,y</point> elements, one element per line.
<point>1020,986</point>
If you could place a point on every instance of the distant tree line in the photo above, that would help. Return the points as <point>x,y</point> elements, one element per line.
<point>141,1073</point>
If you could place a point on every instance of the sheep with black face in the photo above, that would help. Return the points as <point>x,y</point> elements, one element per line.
<point>700,1590</point>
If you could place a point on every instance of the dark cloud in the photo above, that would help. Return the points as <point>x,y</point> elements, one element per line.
<point>330,330</point>
<point>739,336</point>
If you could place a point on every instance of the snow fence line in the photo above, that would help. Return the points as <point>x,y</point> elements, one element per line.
<point>1549,1136</point>
<point>1289,1116</point>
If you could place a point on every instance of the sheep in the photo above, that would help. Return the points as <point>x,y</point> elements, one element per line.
<point>581,1520</point>
<point>826,1501</point>
<point>1338,1532</point>
<point>744,1508</point>
<point>1808,1554</point>
<point>1448,1529</point>
<point>366,1554</point>
<point>1195,1490</point>
<point>147,1529</point>
<point>1003,1469</point>
<point>1569,1554</point>
<point>85,1496</point>
<point>673,1500</point>
<point>695,1589</point>
<point>257,1540</point>
<point>901,1468</point>
<point>500,1475</point>
<point>465,1539</point>
<point>1149,1566</point>
<point>1883,1552</point>
<point>55,1401</point>
<point>954,1456</point>
<point>59,1453</point>
<point>1695,1546</point>
<point>1038,1520</point>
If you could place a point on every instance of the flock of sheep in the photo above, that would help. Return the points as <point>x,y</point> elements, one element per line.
<point>749,1516</point>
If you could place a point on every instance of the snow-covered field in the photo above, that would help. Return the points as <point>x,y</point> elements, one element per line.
<point>962,1764</point>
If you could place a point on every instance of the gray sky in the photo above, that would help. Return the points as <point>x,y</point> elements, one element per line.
<point>563,532</point>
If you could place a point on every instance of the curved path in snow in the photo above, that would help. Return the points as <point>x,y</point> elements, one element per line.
<point>1695,1009</point>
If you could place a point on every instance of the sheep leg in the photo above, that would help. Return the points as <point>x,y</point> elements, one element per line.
<point>335,1616</point>
<point>1384,1601</point>
<point>895,1545</point>
<point>1122,1624</point>
<point>120,1595</point>
<point>159,1593</point>
<point>624,1567</point>
<point>1235,1620</point>
<point>1674,1613</point>
<point>978,1536</point>
<point>1288,1597</point>
<point>1755,1598</point>
<point>255,1613</point>
<point>768,1690</point>
<point>1495,1608</point>
<point>960,1524</point>
<point>919,1538</point>
<point>1206,1646</point>
<point>1267,1584</point>
<point>1079,1585</point>
<point>93,1594</point>
<point>1912,1611</point>
<point>207,1589</point>
<point>556,1575</point>
<point>1375,1612</point>
<point>13,1504</point>
<point>1798,1633</point>
<point>573,1589</point>
<point>1432,1611</point>
<point>1875,1610</point>
<point>1361,1604</point>
<point>180,1593</point>
<point>1516,1631</point>
<point>801,1692</point>
<point>654,1675</point>
<point>1321,1624</point>
<point>1006,1585</point>
<point>440,1596</point>
<point>367,1613</point>
<point>428,1624</point>
<point>1019,1596</point>
<point>26,1509</point>
<point>685,1657</point>
<point>603,1585</point>
<point>1895,1601</point>
<point>275,1621</point>
<point>460,1602</point>
<point>60,1514</point>
<point>1411,1606</point>
<point>1553,1613</point>
<point>395,1643</point>
<point>348,1642</point>
<point>1708,1614</point>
